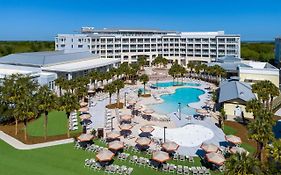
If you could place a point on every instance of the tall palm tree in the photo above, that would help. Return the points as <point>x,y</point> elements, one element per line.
<point>144,79</point>
<point>46,101</point>
<point>261,131</point>
<point>119,84</point>
<point>191,66</point>
<point>60,83</point>
<point>110,89</point>
<point>253,106</point>
<point>241,164</point>
<point>142,61</point>
<point>68,103</point>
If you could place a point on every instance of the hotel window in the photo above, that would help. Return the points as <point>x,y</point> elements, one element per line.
<point>80,46</point>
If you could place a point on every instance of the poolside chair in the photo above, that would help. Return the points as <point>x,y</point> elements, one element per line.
<point>172,168</point>
<point>182,157</point>
<point>190,159</point>
<point>179,169</point>
<point>186,170</point>
<point>129,171</point>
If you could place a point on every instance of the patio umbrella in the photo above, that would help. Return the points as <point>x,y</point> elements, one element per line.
<point>147,128</point>
<point>238,150</point>
<point>85,137</point>
<point>148,111</point>
<point>215,158</point>
<point>83,104</point>
<point>91,91</point>
<point>84,109</point>
<point>126,117</point>
<point>160,156</point>
<point>202,111</point>
<point>170,146</point>
<point>112,135</point>
<point>143,141</point>
<point>233,139</point>
<point>132,102</point>
<point>104,155</point>
<point>208,148</point>
<point>85,116</point>
<point>115,145</point>
<point>124,127</point>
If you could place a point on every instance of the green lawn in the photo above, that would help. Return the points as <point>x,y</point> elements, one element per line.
<point>61,159</point>
<point>229,130</point>
<point>56,125</point>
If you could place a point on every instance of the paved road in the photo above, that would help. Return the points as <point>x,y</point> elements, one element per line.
<point>21,146</point>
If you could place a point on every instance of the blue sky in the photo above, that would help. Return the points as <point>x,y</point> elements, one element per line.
<point>43,19</point>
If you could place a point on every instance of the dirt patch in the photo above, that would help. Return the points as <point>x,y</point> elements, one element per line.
<point>146,95</point>
<point>115,105</point>
<point>242,132</point>
<point>10,130</point>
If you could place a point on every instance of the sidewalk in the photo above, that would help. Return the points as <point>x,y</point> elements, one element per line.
<point>21,146</point>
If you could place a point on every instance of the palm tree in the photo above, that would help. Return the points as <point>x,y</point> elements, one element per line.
<point>60,82</point>
<point>46,100</point>
<point>144,79</point>
<point>119,84</point>
<point>221,118</point>
<point>261,131</point>
<point>93,76</point>
<point>191,66</point>
<point>253,106</point>
<point>68,103</point>
<point>274,150</point>
<point>142,61</point>
<point>242,164</point>
<point>110,89</point>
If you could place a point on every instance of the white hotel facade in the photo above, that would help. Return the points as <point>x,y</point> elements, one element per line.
<point>127,45</point>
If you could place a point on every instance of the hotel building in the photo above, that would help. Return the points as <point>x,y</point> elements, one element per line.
<point>127,45</point>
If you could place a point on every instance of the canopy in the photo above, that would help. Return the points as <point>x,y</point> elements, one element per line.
<point>233,139</point>
<point>147,128</point>
<point>104,155</point>
<point>160,156</point>
<point>143,141</point>
<point>148,111</point>
<point>85,116</point>
<point>209,147</point>
<point>125,127</point>
<point>84,109</point>
<point>85,137</point>
<point>215,158</point>
<point>112,135</point>
<point>170,146</point>
<point>126,117</point>
<point>116,145</point>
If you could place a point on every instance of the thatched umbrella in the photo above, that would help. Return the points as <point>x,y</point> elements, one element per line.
<point>233,139</point>
<point>215,158</point>
<point>125,127</point>
<point>143,141</point>
<point>148,111</point>
<point>160,156</point>
<point>170,146</point>
<point>147,129</point>
<point>104,155</point>
<point>112,135</point>
<point>85,116</point>
<point>115,145</point>
<point>83,104</point>
<point>84,109</point>
<point>85,137</point>
<point>126,117</point>
<point>238,150</point>
<point>208,148</point>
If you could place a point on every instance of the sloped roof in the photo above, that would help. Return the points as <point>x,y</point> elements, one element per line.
<point>40,59</point>
<point>233,89</point>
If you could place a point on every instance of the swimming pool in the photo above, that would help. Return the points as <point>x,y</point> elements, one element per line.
<point>181,95</point>
<point>170,83</point>
<point>277,129</point>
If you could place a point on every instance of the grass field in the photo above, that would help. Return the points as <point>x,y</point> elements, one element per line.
<point>229,130</point>
<point>59,160</point>
<point>56,125</point>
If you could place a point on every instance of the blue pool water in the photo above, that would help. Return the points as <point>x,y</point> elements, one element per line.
<point>181,95</point>
<point>277,129</point>
<point>169,84</point>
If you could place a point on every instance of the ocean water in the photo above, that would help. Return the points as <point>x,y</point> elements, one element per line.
<point>181,95</point>
<point>169,84</point>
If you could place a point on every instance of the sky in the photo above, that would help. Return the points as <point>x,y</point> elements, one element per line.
<point>254,20</point>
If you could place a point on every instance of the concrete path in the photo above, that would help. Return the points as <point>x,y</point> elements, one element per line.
<point>21,146</point>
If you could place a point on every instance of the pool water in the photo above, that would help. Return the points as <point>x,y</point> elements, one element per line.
<point>181,95</point>
<point>169,84</point>
<point>277,129</point>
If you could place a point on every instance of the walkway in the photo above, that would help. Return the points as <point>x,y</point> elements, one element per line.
<point>21,146</point>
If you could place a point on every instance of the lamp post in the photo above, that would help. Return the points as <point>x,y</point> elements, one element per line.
<point>179,110</point>
<point>165,127</point>
<point>112,123</point>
